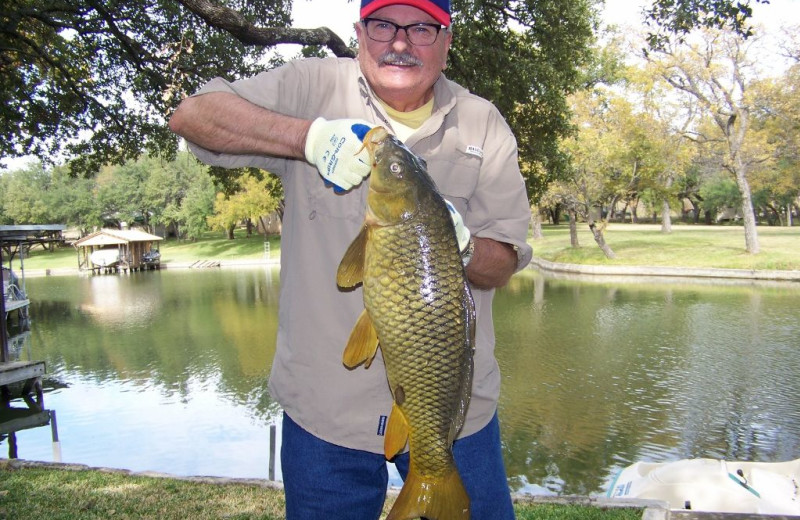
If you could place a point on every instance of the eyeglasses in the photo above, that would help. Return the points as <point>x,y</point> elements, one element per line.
<point>419,34</point>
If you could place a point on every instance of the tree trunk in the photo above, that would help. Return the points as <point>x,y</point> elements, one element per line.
<point>536,223</point>
<point>573,229</point>
<point>666,218</point>
<point>230,231</point>
<point>748,215</point>
<point>556,215</point>
<point>601,241</point>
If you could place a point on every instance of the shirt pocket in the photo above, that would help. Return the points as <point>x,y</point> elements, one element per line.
<point>456,178</point>
<point>324,202</point>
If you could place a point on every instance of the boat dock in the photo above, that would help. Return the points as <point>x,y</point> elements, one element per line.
<point>27,372</point>
<point>118,250</point>
<point>18,377</point>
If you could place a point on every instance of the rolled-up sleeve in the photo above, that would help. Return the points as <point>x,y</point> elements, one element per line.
<point>499,207</point>
<point>250,91</point>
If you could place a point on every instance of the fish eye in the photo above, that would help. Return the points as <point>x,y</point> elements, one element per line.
<point>395,168</point>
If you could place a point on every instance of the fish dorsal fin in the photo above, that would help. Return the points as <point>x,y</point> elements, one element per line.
<point>351,268</point>
<point>396,433</point>
<point>363,343</point>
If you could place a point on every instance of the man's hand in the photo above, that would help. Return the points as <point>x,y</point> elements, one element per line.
<point>335,148</point>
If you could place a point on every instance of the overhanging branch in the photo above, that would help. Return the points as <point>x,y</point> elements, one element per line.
<point>240,28</point>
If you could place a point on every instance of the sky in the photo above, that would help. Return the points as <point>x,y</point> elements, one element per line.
<point>339,15</point>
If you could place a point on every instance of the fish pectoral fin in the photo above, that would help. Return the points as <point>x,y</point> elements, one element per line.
<point>363,343</point>
<point>396,433</point>
<point>351,269</point>
<point>428,497</point>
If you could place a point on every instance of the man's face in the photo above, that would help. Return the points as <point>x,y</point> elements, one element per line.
<point>400,73</point>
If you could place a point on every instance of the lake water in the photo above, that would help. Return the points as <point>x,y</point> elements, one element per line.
<point>166,371</point>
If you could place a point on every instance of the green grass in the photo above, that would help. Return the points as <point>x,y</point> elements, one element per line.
<point>36,492</point>
<point>686,246</point>
<point>213,246</point>
<point>574,512</point>
<point>634,244</point>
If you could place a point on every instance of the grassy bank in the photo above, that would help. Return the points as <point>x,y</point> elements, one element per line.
<point>210,247</point>
<point>639,244</point>
<point>686,246</point>
<point>28,493</point>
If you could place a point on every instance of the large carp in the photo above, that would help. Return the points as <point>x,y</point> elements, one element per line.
<point>419,309</point>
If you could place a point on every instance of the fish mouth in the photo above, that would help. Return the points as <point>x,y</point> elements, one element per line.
<point>375,136</point>
<point>372,140</point>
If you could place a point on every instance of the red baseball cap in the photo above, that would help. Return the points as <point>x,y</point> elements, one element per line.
<point>439,9</point>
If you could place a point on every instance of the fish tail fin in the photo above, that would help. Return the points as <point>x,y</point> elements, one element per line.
<point>435,499</point>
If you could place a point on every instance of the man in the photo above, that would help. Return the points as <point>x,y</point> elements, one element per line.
<point>304,120</point>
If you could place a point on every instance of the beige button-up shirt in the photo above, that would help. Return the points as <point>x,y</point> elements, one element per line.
<point>471,154</point>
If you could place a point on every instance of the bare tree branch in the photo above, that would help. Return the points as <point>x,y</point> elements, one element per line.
<point>237,25</point>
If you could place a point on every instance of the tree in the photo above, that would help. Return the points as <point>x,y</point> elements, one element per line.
<point>668,132</point>
<point>669,18</point>
<point>718,194</point>
<point>180,195</point>
<point>189,213</point>
<point>595,179</point>
<point>776,182</point>
<point>93,84</point>
<point>525,57</point>
<point>72,201</point>
<point>35,195</point>
<point>121,193</point>
<point>255,198</point>
<point>24,195</point>
<point>715,71</point>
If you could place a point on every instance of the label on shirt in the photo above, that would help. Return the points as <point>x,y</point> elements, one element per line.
<point>477,151</point>
<point>382,425</point>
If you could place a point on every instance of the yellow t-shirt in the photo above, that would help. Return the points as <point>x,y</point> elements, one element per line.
<point>406,123</point>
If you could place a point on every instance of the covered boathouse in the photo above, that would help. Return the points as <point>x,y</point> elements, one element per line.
<point>113,250</point>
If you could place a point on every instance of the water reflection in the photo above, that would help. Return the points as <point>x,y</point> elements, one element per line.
<point>598,375</point>
<point>166,371</point>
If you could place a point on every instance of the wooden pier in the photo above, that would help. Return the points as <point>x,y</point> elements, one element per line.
<point>199,264</point>
<point>20,378</point>
<point>27,375</point>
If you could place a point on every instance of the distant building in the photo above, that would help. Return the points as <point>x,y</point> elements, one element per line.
<point>118,250</point>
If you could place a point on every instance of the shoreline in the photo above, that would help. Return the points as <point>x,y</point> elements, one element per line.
<point>652,509</point>
<point>773,275</point>
<point>68,271</point>
<point>591,270</point>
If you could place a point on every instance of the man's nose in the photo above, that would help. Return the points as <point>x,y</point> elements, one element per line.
<point>400,41</point>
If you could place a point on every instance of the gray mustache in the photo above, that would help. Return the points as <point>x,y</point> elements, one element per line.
<point>395,58</point>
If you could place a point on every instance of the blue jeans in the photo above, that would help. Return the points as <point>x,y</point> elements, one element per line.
<point>326,481</point>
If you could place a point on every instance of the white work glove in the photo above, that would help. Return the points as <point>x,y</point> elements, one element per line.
<point>462,233</point>
<point>335,148</point>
